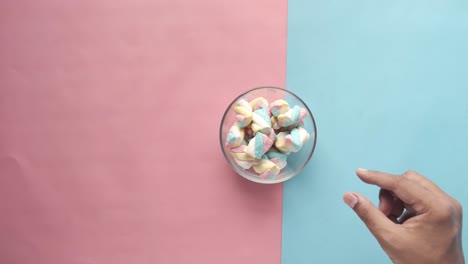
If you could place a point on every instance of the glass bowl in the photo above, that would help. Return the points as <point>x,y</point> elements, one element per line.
<point>296,161</point>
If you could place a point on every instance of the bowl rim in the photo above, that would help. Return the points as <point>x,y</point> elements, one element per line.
<point>221,141</point>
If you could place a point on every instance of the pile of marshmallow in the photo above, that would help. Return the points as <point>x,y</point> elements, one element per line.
<point>265,134</point>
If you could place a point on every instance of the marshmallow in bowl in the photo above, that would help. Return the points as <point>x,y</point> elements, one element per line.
<point>293,116</point>
<point>244,113</point>
<point>265,134</point>
<point>259,145</point>
<point>235,136</point>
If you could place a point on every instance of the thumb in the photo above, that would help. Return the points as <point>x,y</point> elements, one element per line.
<point>374,219</point>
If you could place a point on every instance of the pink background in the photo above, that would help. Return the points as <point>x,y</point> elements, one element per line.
<point>109,116</point>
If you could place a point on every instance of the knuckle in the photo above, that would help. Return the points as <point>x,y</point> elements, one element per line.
<point>458,207</point>
<point>446,210</point>
<point>411,175</point>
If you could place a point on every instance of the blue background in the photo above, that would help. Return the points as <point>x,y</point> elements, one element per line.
<point>387,82</point>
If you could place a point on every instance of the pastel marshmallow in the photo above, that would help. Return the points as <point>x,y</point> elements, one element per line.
<point>238,153</point>
<point>298,138</point>
<point>245,164</point>
<point>244,113</point>
<point>261,122</point>
<point>292,141</point>
<point>259,103</point>
<point>235,136</point>
<point>280,159</point>
<point>272,135</point>
<point>278,107</point>
<point>258,145</point>
<point>293,116</point>
<point>274,123</point>
<point>281,143</point>
<point>266,169</point>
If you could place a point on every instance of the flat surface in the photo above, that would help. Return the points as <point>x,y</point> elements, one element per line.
<point>100,108</point>
<point>388,83</point>
<point>109,114</point>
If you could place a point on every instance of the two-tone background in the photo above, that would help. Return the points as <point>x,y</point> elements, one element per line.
<point>109,117</point>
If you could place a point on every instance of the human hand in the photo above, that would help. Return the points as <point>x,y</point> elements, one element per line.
<point>416,222</point>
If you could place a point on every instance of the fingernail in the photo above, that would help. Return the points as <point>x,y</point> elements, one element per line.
<point>361,170</point>
<point>351,200</point>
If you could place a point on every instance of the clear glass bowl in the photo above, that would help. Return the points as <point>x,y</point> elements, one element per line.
<point>296,160</point>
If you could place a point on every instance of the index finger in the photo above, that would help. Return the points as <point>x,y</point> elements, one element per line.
<point>410,192</point>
